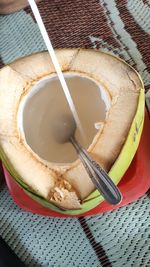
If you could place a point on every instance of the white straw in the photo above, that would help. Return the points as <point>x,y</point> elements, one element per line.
<point>55,61</point>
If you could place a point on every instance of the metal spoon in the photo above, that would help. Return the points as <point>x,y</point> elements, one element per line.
<point>64,130</point>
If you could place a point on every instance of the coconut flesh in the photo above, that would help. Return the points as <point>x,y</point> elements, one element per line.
<point>105,91</point>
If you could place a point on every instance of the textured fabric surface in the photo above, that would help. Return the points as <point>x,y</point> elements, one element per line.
<point>121,27</point>
<point>118,238</point>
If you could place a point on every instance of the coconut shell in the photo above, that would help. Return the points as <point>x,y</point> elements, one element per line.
<point>121,83</point>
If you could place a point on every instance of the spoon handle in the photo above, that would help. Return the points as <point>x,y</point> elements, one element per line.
<point>98,176</point>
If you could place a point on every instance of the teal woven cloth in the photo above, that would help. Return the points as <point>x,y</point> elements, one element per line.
<point>118,238</point>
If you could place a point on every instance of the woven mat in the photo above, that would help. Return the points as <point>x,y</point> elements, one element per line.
<point>118,238</point>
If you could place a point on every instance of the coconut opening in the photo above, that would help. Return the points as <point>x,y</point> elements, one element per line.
<point>46,100</point>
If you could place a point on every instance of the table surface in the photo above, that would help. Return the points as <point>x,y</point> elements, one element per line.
<point>118,238</point>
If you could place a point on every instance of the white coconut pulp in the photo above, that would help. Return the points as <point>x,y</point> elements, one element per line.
<point>46,101</point>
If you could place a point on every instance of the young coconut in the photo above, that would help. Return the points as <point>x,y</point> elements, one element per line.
<point>26,112</point>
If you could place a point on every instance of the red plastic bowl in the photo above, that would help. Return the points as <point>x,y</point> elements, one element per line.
<point>133,185</point>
